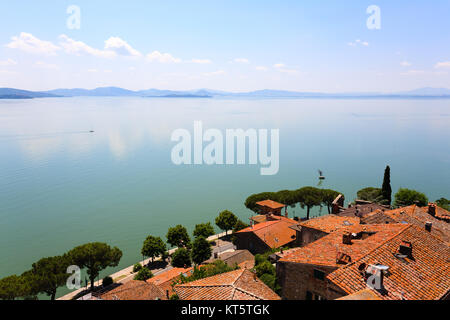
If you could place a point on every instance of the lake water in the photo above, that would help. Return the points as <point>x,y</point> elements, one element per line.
<point>62,186</point>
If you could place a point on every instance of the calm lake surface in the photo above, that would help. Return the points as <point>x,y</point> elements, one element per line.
<point>62,186</point>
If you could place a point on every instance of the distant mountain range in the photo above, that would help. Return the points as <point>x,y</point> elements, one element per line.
<point>9,93</point>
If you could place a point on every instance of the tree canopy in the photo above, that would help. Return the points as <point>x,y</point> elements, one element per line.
<point>178,236</point>
<point>201,250</point>
<point>386,190</point>
<point>153,247</point>
<point>204,230</point>
<point>95,257</point>
<point>11,288</point>
<point>406,197</point>
<point>370,194</point>
<point>443,203</point>
<point>226,220</point>
<point>181,258</point>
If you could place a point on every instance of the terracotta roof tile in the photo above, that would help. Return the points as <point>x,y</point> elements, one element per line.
<point>325,250</point>
<point>165,280</point>
<point>330,223</point>
<point>425,276</point>
<point>134,290</point>
<point>235,285</point>
<point>274,233</point>
<point>271,204</point>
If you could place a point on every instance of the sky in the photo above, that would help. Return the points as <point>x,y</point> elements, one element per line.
<point>232,45</point>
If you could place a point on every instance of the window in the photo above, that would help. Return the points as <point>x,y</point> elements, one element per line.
<point>320,275</point>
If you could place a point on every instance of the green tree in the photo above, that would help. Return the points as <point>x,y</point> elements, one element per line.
<point>309,197</point>
<point>443,203</point>
<point>265,267</point>
<point>178,236</point>
<point>201,250</point>
<point>137,267</point>
<point>143,274</point>
<point>153,247</point>
<point>226,220</point>
<point>328,196</point>
<point>239,225</point>
<point>204,230</point>
<point>386,190</point>
<point>11,288</point>
<point>95,257</point>
<point>371,194</point>
<point>48,274</point>
<point>181,258</point>
<point>406,197</point>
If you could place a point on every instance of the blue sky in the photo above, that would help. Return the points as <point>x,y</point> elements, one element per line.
<point>225,45</point>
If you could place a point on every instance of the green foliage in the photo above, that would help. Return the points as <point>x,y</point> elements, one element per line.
<point>328,196</point>
<point>153,247</point>
<point>47,275</point>
<point>201,250</point>
<point>107,281</point>
<point>406,197</point>
<point>386,190</point>
<point>204,230</point>
<point>95,257</point>
<point>143,274</point>
<point>443,203</point>
<point>178,236</point>
<point>239,225</point>
<point>174,297</point>
<point>270,280</point>
<point>11,288</point>
<point>218,267</point>
<point>370,194</point>
<point>137,267</point>
<point>265,267</point>
<point>181,258</point>
<point>226,220</point>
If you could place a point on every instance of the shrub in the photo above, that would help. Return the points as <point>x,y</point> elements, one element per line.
<point>107,281</point>
<point>143,274</point>
<point>181,258</point>
<point>137,267</point>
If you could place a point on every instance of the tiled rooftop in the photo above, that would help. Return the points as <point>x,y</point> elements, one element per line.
<point>271,204</point>
<point>425,276</point>
<point>274,233</point>
<point>240,284</point>
<point>330,223</point>
<point>135,290</point>
<point>325,250</point>
<point>165,280</point>
<point>239,257</point>
<point>361,210</point>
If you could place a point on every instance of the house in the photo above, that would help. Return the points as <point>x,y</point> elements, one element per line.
<point>240,284</point>
<point>242,258</point>
<point>437,212</point>
<point>360,209</point>
<point>267,235</point>
<point>164,281</point>
<point>269,207</point>
<point>413,265</point>
<point>134,290</point>
<point>414,215</point>
<point>302,272</point>
<point>314,229</point>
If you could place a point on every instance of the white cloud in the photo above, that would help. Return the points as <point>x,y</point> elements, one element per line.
<point>78,47</point>
<point>157,56</point>
<point>261,68</point>
<point>201,61</point>
<point>29,43</point>
<point>405,64</point>
<point>441,65</point>
<point>358,42</point>
<point>44,65</point>
<point>413,72</point>
<point>214,73</point>
<point>121,47</point>
<point>7,63</point>
<point>241,60</point>
<point>279,65</point>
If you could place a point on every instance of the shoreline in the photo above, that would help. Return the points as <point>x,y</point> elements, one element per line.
<point>125,274</point>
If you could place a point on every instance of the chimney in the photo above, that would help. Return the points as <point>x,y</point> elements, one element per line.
<point>347,238</point>
<point>216,255</point>
<point>254,277</point>
<point>167,294</point>
<point>406,249</point>
<point>428,226</point>
<point>432,209</point>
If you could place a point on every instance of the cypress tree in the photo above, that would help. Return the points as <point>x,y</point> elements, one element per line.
<point>386,190</point>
